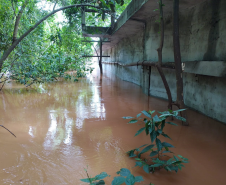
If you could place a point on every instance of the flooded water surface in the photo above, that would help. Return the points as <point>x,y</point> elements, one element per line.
<point>64,127</point>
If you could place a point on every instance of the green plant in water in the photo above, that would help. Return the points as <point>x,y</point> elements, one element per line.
<point>97,180</point>
<point>125,177</point>
<point>154,126</point>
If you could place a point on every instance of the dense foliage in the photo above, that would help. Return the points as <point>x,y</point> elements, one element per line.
<point>54,46</point>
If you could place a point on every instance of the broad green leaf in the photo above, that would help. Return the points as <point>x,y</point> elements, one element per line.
<point>145,120</point>
<point>167,168</point>
<point>139,179</point>
<point>159,131</point>
<point>128,117</point>
<point>139,131</point>
<point>156,119</point>
<point>131,153</point>
<point>88,180</point>
<point>179,110</point>
<point>155,165</point>
<point>138,115</point>
<point>133,121</point>
<point>153,136</point>
<point>124,172</point>
<point>173,168</point>
<point>163,124</point>
<point>176,163</point>
<point>118,180</point>
<point>146,114</point>
<point>165,135</point>
<point>159,144</point>
<point>171,123</point>
<point>165,112</point>
<point>176,158</point>
<point>165,144</point>
<point>150,129</point>
<point>170,111</point>
<point>167,151</point>
<point>130,180</point>
<point>146,149</point>
<point>138,163</point>
<point>182,157</point>
<point>169,161</point>
<point>179,166</point>
<point>153,153</point>
<point>146,168</point>
<point>102,175</point>
<point>158,161</point>
<point>185,161</point>
<point>180,118</point>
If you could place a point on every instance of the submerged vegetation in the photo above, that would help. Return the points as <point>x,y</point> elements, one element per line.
<point>159,151</point>
<point>154,127</point>
<point>125,176</point>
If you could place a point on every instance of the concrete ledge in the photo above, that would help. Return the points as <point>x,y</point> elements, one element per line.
<point>209,68</point>
<point>91,31</point>
<point>131,9</point>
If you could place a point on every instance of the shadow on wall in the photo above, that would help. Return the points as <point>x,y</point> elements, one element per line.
<point>214,32</point>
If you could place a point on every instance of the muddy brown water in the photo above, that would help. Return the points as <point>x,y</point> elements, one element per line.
<point>63,127</point>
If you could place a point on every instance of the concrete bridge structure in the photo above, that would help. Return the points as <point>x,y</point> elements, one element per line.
<point>135,38</point>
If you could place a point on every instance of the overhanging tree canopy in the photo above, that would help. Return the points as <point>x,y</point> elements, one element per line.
<point>29,42</point>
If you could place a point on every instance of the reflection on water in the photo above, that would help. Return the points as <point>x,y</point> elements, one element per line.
<point>63,127</point>
<point>86,104</point>
<point>48,121</point>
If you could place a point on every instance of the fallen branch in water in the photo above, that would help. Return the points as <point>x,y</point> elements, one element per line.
<point>8,130</point>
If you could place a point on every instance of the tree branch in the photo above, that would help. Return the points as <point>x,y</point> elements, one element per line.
<point>162,33</point>
<point>13,8</point>
<point>18,17</point>
<point>159,50</point>
<point>55,5</point>
<point>14,44</point>
<point>8,130</point>
<point>177,59</point>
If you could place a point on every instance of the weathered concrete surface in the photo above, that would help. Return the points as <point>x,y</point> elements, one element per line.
<point>211,68</point>
<point>206,94</point>
<point>202,34</point>
<point>132,19</point>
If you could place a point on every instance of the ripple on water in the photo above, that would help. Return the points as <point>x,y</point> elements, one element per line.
<point>63,127</point>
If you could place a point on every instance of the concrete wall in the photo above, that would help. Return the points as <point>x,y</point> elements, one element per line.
<point>202,34</point>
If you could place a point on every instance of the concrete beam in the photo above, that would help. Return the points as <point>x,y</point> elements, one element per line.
<point>91,31</point>
<point>209,68</point>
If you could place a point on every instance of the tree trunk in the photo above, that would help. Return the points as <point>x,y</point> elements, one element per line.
<point>100,61</point>
<point>177,58</point>
<point>17,41</point>
<point>18,17</point>
<point>159,65</point>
